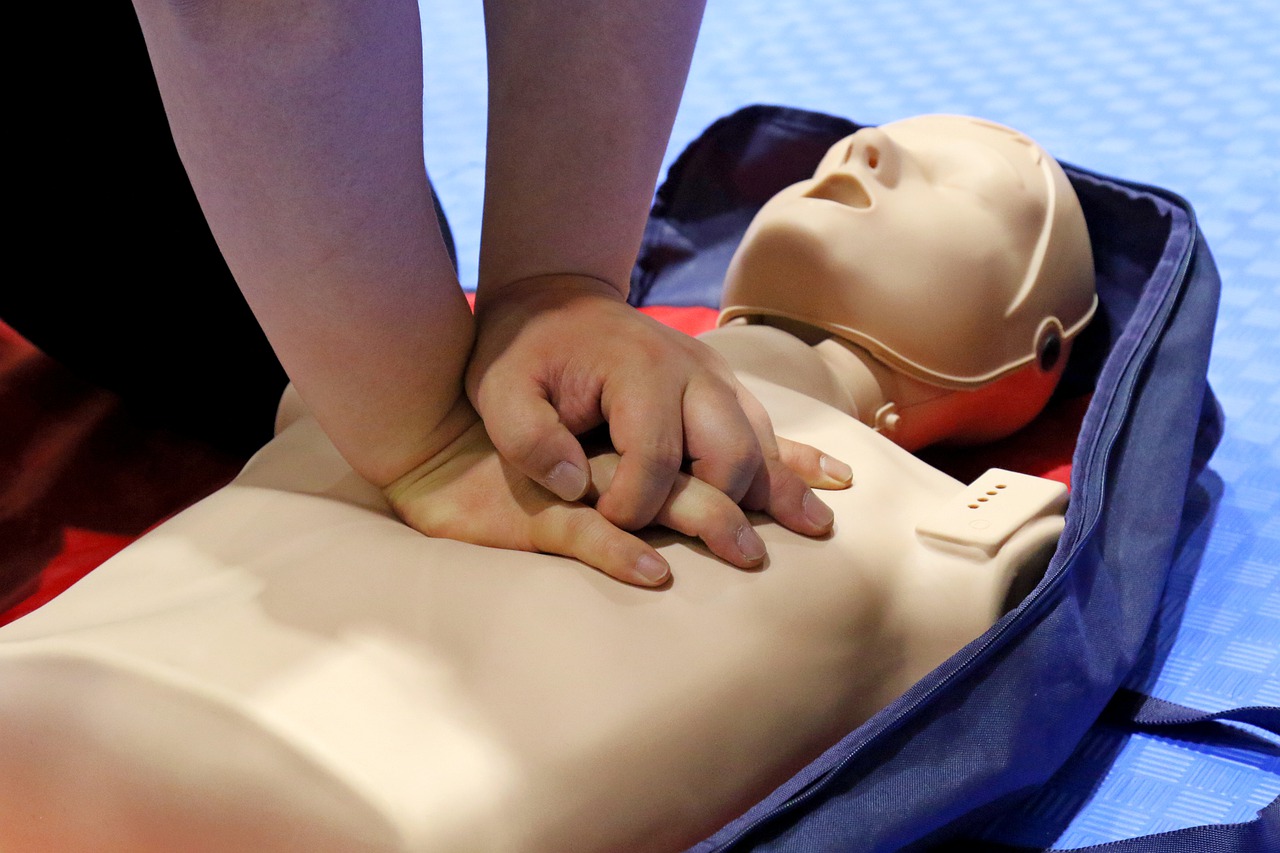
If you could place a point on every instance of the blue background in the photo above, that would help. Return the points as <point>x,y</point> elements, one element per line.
<point>1178,93</point>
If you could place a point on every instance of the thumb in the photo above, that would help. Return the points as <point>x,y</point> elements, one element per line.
<point>526,430</point>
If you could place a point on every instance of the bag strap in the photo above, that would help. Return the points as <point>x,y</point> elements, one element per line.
<point>1145,710</point>
<point>1260,834</point>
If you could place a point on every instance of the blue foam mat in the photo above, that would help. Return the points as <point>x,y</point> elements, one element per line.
<point>1184,94</point>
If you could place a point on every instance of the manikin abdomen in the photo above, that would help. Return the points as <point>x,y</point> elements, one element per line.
<point>285,666</point>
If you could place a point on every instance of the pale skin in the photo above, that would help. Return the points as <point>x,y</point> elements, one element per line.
<point>300,124</point>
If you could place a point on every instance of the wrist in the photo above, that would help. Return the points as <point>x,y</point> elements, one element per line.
<point>548,289</point>
<point>456,422</point>
<point>471,439</point>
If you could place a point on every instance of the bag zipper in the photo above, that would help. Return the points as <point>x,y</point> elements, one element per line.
<point>1035,603</point>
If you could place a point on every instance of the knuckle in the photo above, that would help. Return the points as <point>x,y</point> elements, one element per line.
<point>444,520</point>
<point>584,528</point>
<point>627,516</point>
<point>485,386</point>
<point>732,472</point>
<point>522,440</point>
<point>787,491</point>
<point>709,359</point>
<point>743,452</point>
<point>661,457</point>
<point>744,473</point>
<point>721,516</point>
<point>802,459</point>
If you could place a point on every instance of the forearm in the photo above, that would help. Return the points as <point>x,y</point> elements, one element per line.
<point>582,95</point>
<point>300,127</point>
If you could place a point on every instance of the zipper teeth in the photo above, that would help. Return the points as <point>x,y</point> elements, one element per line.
<point>1099,454</point>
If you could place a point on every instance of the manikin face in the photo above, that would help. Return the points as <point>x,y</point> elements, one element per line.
<point>921,240</point>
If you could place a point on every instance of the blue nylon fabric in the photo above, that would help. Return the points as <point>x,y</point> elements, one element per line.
<point>1260,835</point>
<point>1152,711</point>
<point>1132,709</point>
<point>994,722</point>
<point>1014,721</point>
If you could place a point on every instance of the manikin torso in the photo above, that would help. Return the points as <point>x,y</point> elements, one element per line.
<point>285,666</point>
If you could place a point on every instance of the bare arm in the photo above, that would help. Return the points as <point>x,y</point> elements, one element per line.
<point>299,122</point>
<point>300,125</point>
<point>582,95</point>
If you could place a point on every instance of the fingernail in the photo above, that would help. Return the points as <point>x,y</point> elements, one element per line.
<point>568,481</point>
<point>651,569</point>
<point>835,469</point>
<point>750,544</point>
<point>816,511</point>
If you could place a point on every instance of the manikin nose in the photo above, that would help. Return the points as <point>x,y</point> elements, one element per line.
<point>872,160</point>
<point>874,151</point>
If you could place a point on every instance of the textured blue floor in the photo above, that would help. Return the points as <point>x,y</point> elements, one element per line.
<point>1179,93</point>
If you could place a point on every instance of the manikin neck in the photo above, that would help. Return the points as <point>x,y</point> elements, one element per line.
<point>908,411</point>
<point>890,402</point>
<point>914,414</point>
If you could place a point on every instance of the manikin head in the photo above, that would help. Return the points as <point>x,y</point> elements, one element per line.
<point>950,250</point>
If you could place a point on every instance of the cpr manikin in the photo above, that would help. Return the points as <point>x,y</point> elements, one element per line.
<point>285,666</point>
<point>960,340</point>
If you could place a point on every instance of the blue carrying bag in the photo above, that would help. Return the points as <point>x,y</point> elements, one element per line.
<point>988,728</point>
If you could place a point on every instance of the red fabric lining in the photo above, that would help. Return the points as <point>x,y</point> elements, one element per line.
<point>82,552</point>
<point>82,476</point>
<point>692,320</point>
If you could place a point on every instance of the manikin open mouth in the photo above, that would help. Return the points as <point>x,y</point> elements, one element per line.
<point>842,188</point>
